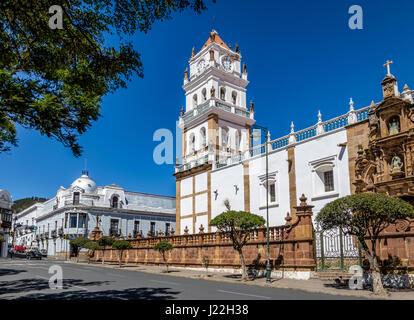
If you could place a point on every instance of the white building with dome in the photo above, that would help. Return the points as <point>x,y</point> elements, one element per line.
<point>74,210</point>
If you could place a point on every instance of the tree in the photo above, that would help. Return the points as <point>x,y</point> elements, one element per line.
<point>121,245</point>
<point>365,216</point>
<point>91,246</point>
<point>2,239</point>
<point>77,244</point>
<point>103,242</point>
<point>162,247</point>
<point>53,80</point>
<point>238,225</point>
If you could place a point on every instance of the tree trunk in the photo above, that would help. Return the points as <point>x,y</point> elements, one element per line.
<point>377,286</point>
<point>244,273</point>
<point>120,258</point>
<point>103,256</point>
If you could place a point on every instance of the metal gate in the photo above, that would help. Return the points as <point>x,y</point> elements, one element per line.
<point>335,250</point>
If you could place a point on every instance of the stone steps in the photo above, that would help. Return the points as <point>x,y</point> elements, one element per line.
<point>331,275</point>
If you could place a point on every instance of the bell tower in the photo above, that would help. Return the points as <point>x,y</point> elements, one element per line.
<point>215,121</point>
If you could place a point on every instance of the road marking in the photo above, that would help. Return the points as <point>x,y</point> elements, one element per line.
<point>173,283</point>
<point>244,294</point>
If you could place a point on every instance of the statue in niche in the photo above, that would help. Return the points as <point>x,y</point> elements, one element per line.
<point>373,126</point>
<point>213,92</point>
<point>394,126</point>
<point>396,164</point>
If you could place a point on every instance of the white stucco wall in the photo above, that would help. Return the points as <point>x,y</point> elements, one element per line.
<point>278,165</point>
<point>315,151</point>
<point>223,181</point>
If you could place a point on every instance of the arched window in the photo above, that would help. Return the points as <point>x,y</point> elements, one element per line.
<point>234,97</point>
<point>394,125</point>
<point>223,94</point>
<point>238,140</point>
<point>203,137</point>
<point>204,93</point>
<point>192,143</point>
<point>115,202</point>
<point>195,103</point>
<point>225,137</point>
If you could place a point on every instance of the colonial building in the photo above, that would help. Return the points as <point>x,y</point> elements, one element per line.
<point>5,220</point>
<point>224,156</point>
<point>74,212</point>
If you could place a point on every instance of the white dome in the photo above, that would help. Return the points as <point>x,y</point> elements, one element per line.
<point>85,183</point>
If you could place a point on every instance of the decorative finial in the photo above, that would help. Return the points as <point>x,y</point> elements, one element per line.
<point>387,64</point>
<point>292,128</point>
<point>406,88</point>
<point>244,68</point>
<point>237,47</point>
<point>303,200</point>
<point>319,116</point>
<point>230,46</point>
<point>351,105</point>
<point>186,74</point>
<point>251,106</point>
<point>182,111</point>
<point>372,104</point>
<point>193,53</point>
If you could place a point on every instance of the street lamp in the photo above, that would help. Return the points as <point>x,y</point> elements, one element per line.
<point>268,266</point>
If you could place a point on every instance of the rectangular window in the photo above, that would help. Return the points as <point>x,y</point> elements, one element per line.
<point>167,229</point>
<point>76,198</point>
<point>114,227</point>
<point>272,192</point>
<point>73,220</point>
<point>136,228</point>
<point>82,218</point>
<point>328,181</point>
<point>152,228</point>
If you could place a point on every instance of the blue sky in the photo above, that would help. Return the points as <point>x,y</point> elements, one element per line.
<point>301,57</point>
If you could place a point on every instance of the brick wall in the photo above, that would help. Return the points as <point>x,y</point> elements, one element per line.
<point>291,247</point>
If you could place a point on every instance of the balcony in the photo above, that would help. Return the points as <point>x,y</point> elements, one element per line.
<point>75,231</point>
<point>219,104</point>
<point>83,202</point>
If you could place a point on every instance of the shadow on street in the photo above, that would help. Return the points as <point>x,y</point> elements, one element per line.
<point>125,294</point>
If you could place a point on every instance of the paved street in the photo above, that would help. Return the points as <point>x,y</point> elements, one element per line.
<point>23,279</point>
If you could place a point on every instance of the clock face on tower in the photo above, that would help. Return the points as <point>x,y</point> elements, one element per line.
<point>201,65</point>
<point>227,64</point>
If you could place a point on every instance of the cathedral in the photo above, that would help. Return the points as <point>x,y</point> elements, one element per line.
<point>226,156</point>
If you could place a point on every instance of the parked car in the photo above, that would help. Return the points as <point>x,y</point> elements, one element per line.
<point>19,249</point>
<point>33,254</point>
<point>43,252</point>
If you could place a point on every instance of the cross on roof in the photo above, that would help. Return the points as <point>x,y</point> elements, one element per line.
<point>388,66</point>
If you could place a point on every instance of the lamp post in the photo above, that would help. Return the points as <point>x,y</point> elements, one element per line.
<point>268,266</point>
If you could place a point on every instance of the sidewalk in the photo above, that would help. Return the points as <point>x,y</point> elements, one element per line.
<point>312,285</point>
